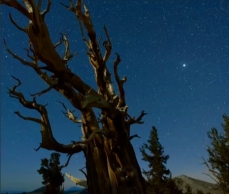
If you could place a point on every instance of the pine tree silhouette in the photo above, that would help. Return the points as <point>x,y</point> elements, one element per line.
<point>51,173</point>
<point>218,151</point>
<point>158,177</point>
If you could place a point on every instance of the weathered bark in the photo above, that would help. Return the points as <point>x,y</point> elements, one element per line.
<point>111,163</point>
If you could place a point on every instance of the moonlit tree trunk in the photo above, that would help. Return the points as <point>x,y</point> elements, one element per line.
<point>111,162</point>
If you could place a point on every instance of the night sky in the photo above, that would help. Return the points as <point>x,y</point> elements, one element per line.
<point>175,54</point>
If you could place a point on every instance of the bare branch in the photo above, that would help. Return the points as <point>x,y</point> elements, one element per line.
<point>83,37</point>
<point>43,91</point>
<point>69,114</point>
<point>48,141</point>
<point>28,55</point>
<point>17,26</point>
<point>36,149</point>
<point>108,46</point>
<point>81,170</point>
<point>28,118</point>
<point>133,120</point>
<point>133,136</point>
<point>18,6</point>
<point>18,58</point>
<point>66,164</point>
<point>67,54</point>
<point>58,43</point>
<point>120,83</point>
<point>47,8</point>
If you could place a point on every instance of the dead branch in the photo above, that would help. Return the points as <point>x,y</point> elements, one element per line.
<point>47,8</point>
<point>58,43</point>
<point>44,91</point>
<point>64,89</point>
<point>66,164</point>
<point>14,23</point>
<point>133,136</point>
<point>28,118</point>
<point>120,83</point>
<point>48,141</point>
<point>108,46</point>
<point>18,6</point>
<point>27,63</point>
<point>69,114</point>
<point>28,55</point>
<point>133,120</point>
<point>67,54</point>
<point>81,170</point>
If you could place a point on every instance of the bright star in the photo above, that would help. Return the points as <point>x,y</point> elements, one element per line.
<point>184,65</point>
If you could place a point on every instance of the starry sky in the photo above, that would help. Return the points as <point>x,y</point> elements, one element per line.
<point>175,54</point>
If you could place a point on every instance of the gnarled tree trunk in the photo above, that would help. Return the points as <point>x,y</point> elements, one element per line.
<point>111,163</point>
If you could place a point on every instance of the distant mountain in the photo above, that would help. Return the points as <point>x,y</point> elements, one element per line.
<point>195,184</point>
<point>181,181</point>
<point>72,190</point>
<point>75,189</point>
<point>40,189</point>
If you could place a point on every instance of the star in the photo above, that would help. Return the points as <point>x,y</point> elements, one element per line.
<point>184,65</point>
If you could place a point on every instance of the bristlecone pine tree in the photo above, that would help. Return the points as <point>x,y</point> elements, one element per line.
<point>51,173</point>
<point>218,161</point>
<point>158,177</point>
<point>111,162</point>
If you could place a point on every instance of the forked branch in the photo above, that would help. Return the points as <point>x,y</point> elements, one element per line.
<point>69,114</point>
<point>48,141</point>
<point>133,120</point>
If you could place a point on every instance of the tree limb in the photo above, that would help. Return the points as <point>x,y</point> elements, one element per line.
<point>47,8</point>
<point>81,170</point>
<point>48,141</point>
<point>120,83</point>
<point>18,6</point>
<point>17,26</point>
<point>108,46</point>
<point>28,118</point>
<point>133,120</point>
<point>69,114</point>
<point>133,136</point>
<point>27,63</point>
<point>66,164</point>
<point>67,54</point>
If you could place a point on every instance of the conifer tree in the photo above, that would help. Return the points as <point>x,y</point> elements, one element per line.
<point>218,151</point>
<point>51,173</point>
<point>158,177</point>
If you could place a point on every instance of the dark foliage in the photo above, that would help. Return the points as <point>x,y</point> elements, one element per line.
<point>158,177</point>
<point>218,151</point>
<point>51,173</point>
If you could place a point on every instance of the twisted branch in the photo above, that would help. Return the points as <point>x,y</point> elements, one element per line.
<point>48,141</point>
